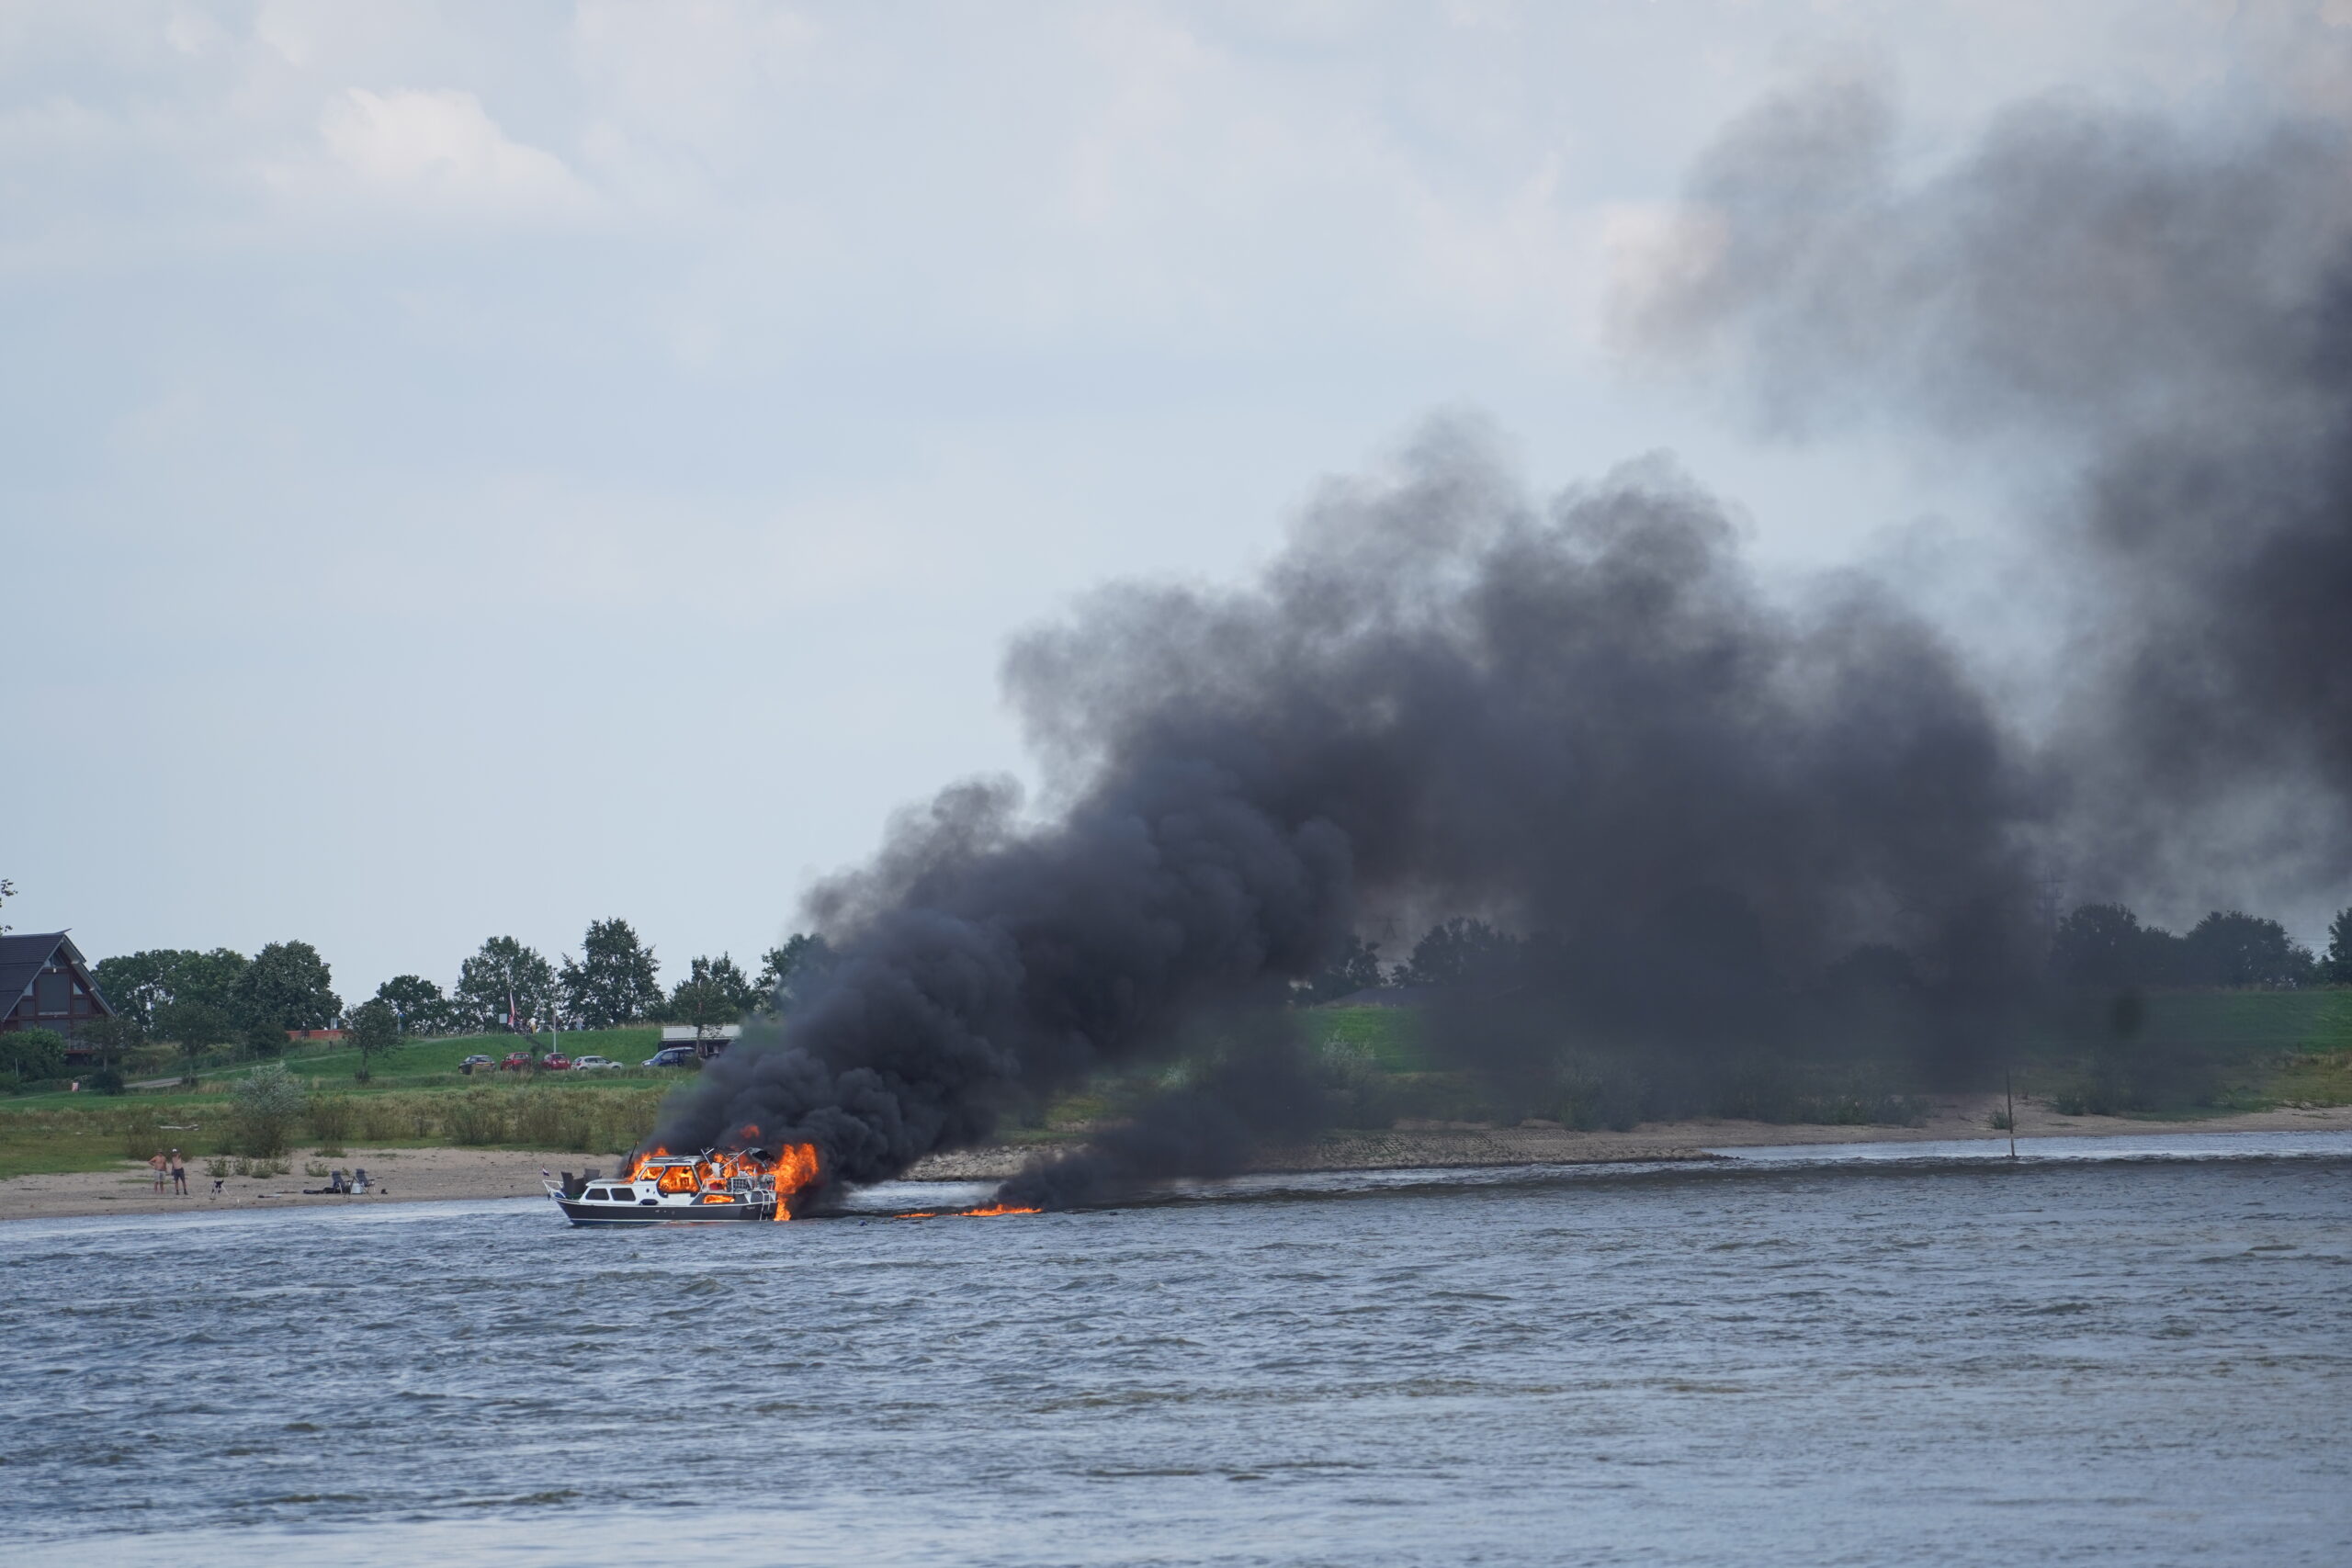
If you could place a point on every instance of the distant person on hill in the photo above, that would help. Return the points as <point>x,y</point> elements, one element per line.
<point>161,1167</point>
<point>179,1174</point>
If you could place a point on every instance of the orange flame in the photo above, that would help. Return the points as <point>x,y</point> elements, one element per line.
<point>995,1209</point>
<point>792,1171</point>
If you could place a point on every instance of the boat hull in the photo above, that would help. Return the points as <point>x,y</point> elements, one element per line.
<point>623,1216</point>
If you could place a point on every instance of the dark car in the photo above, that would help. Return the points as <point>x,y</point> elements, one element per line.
<point>671,1057</point>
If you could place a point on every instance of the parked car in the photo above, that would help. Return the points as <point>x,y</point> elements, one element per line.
<point>556,1062</point>
<point>671,1057</point>
<point>470,1063</point>
<point>593,1064</point>
<point>517,1062</point>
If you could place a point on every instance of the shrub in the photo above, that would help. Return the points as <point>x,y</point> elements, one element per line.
<point>31,1055</point>
<point>548,1119</point>
<point>106,1081</point>
<point>1594,1094</point>
<point>264,1111</point>
<point>331,1117</point>
<point>476,1118</point>
<point>139,1140</point>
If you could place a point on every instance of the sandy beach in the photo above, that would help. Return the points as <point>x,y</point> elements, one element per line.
<point>433,1175</point>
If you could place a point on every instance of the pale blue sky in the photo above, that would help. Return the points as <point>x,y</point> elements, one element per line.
<point>472,469</point>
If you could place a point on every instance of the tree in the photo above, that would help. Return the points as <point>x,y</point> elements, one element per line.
<point>287,985</point>
<point>617,980</point>
<point>2098,944</point>
<point>715,993</point>
<point>32,1054</point>
<point>417,1002</point>
<point>196,1028</point>
<point>109,1039</point>
<point>789,972</point>
<point>1455,950</point>
<point>136,984</point>
<point>2230,947</point>
<point>503,972</point>
<point>374,1029</point>
<point>264,1110</point>
<point>2339,948</point>
<point>7,889</point>
<point>1357,968</point>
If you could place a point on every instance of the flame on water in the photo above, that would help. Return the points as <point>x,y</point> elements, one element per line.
<point>790,1171</point>
<point>994,1209</point>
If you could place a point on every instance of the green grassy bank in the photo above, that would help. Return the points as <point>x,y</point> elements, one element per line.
<point>2173,1056</point>
<point>415,1097</point>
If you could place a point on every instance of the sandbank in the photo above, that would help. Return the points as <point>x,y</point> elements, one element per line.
<point>435,1174</point>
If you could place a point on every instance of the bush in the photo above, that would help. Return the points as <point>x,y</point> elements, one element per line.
<point>142,1137</point>
<point>265,1109</point>
<point>32,1054</point>
<point>476,1118</point>
<point>548,1119</point>
<point>106,1081</point>
<point>332,1117</point>
<point>1596,1095</point>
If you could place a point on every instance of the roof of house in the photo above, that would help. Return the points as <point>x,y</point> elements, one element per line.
<point>24,955</point>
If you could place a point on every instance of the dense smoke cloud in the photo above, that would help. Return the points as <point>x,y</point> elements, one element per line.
<point>2168,315</point>
<point>1719,818</point>
<point>1584,719</point>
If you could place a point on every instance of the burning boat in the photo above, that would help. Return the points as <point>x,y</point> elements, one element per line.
<point>713,1187</point>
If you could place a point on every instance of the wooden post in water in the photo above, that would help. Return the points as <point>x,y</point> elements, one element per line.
<point>2008,1094</point>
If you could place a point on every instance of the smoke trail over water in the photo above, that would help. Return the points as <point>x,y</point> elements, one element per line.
<point>1584,719</point>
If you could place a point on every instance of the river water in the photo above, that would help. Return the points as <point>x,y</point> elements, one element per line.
<point>1801,1356</point>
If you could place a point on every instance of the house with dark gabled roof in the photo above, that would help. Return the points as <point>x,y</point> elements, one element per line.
<point>45,983</point>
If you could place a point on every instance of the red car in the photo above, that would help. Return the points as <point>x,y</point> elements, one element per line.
<point>555,1063</point>
<point>517,1062</point>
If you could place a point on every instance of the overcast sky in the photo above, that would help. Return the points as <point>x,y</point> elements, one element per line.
<point>477,470</point>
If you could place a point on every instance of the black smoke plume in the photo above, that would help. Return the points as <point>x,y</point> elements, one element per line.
<point>1584,719</point>
<point>1720,818</point>
<point>2165,318</point>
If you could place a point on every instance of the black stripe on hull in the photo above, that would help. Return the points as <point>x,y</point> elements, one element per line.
<point>618,1215</point>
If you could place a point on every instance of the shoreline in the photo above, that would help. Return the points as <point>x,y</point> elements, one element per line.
<point>441,1175</point>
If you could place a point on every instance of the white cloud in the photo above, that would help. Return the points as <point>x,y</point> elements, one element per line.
<point>441,148</point>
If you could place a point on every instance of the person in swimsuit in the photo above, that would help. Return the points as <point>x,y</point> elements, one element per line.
<point>159,1165</point>
<point>179,1174</point>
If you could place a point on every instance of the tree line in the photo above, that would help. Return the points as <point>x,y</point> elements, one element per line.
<point>204,1000</point>
<point>2101,946</point>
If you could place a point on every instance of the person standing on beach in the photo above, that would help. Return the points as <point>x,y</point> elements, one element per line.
<point>157,1163</point>
<point>179,1175</point>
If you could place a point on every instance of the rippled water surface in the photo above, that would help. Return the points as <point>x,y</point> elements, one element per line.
<point>1765,1363</point>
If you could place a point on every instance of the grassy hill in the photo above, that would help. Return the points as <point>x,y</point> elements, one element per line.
<point>2183,1053</point>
